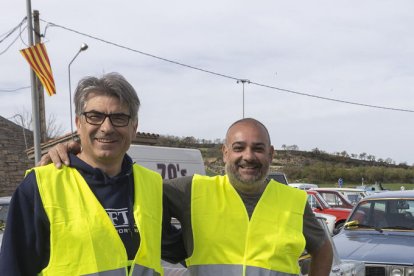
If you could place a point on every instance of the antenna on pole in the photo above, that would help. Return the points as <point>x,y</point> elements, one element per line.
<point>243,81</point>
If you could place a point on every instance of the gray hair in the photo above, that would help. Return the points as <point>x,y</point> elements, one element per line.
<point>112,85</point>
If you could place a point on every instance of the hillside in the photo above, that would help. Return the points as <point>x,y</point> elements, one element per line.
<point>308,166</point>
<point>303,166</point>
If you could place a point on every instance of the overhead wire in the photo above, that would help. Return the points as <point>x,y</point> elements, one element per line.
<point>16,89</point>
<point>11,44</point>
<point>9,33</point>
<point>6,35</point>
<point>21,38</point>
<point>50,24</point>
<point>330,99</point>
<point>19,26</point>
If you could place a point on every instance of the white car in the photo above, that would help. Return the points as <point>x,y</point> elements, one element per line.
<point>303,186</point>
<point>339,267</point>
<point>329,221</point>
<point>4,208</point>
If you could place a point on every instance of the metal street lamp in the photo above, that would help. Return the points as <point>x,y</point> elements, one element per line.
<point>83,47</point>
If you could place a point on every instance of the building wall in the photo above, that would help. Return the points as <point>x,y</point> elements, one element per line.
<point>13,158</point>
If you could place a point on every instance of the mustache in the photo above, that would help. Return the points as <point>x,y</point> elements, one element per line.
<point>104,137</point>
<point>249,164</point>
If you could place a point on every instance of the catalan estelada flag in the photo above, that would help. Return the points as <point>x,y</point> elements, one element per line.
<point>37,57</point>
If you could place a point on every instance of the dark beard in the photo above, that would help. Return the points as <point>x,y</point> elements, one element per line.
<point>236,179</point>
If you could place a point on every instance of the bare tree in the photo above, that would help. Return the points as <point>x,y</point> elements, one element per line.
<point>344,154</point>
<point>53,129</point>
<point>389,161</point>
<point>25,120</point>
<point>316,151</point>
<point>362,156</point>
<point>292,147</point>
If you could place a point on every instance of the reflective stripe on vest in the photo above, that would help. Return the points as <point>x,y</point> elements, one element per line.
<point>137,271</point>
<point>270,242</point>
<point>143,271</point>
<point>83,240</point>
<point>227,270</point>
<point>115,272</point>
<point>175,271</point>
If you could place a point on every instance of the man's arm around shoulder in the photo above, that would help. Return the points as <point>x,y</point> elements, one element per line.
<point>321,262</point>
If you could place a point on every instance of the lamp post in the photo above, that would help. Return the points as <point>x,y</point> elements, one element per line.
<point>83,47</point>
<point>243,81</point>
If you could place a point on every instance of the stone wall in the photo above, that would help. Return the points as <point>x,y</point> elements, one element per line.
<point>13,158</point>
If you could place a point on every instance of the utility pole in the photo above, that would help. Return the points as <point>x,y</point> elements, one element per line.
<point>39,86</point>
<point>35,102</point>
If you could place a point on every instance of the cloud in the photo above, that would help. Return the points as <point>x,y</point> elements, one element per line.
<point>348,50</point>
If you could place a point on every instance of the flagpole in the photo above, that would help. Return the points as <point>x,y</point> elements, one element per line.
<point>35,104</point>
<point>39,86</point>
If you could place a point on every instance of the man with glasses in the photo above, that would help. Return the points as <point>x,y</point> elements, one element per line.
<point>99,214</point>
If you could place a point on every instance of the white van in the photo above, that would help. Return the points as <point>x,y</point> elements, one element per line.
<point>303,186</point>
<point>169,162</point>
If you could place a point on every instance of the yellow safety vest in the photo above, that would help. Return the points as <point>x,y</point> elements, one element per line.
<point>226,242</point>
<point>83,240</point>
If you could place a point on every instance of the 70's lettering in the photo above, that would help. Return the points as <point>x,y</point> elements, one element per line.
<point>169,171</point>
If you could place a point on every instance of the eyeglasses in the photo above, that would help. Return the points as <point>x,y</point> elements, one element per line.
<point>97,118</point>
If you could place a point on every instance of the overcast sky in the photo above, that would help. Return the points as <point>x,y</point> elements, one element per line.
<point>354,51</point>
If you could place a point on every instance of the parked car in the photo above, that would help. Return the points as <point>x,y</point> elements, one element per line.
<point>334,198</point>
<point>4,208</point>
<point>354,195</point>
<point>303,186</point>
<point>319,205</point>
<point>380,232</point>
<point>329,221</point>
<point>278,176</point>
<point>339,267</point>
<point>374,188</point>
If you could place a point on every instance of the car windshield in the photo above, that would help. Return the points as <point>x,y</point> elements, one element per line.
<point>397,214</point>
<point>354,197</point>
<point>316,201</point>
<point>279,177</point>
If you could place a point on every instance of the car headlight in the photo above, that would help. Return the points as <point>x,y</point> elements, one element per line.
<point>402,271</point>
<point>409,271</point>
<point>396,271</point>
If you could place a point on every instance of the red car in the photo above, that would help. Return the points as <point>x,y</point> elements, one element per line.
<point>319,205</point>
<point>334,198</point>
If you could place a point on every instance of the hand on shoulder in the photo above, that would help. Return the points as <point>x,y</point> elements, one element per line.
<point>60,154</point>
